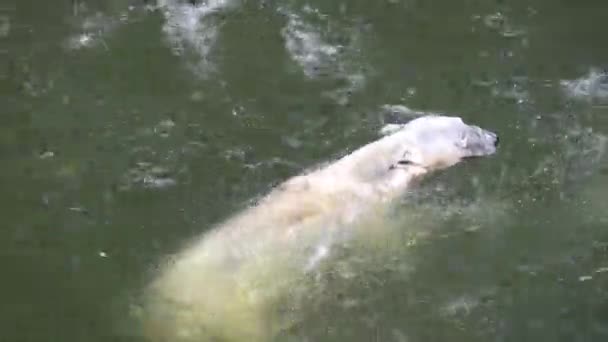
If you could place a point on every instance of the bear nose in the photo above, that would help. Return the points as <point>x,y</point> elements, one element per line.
<point>492,137</point>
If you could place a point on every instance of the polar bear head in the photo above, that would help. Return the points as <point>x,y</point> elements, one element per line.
<point>437,142</point>
<point>408,151</point>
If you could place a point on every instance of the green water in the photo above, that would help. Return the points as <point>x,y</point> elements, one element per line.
<point>126,132</point>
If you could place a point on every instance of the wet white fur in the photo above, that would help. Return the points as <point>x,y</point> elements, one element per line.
<point>224,284</point>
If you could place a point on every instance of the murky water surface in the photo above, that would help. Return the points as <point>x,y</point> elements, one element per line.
<point>130,127</point>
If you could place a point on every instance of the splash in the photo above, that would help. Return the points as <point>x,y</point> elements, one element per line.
<point>93,30</point>
<point>318,55</point>
<point>592,88</point>
<point>306,46</point>
<point>193,29</point>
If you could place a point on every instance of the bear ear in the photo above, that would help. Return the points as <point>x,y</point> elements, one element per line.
<point>390,129</point>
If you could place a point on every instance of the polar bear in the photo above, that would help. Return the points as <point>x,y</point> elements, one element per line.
<point>225,286</point>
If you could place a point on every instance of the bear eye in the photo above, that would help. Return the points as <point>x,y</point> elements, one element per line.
<point>402,162</point>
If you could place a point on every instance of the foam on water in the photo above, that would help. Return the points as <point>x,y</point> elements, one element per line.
<point>591,87</point>
<point>306,46</point>
<point>318,55</point>
<point>321,47</point>
<point>191,29</point>
<point>93,29</point>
